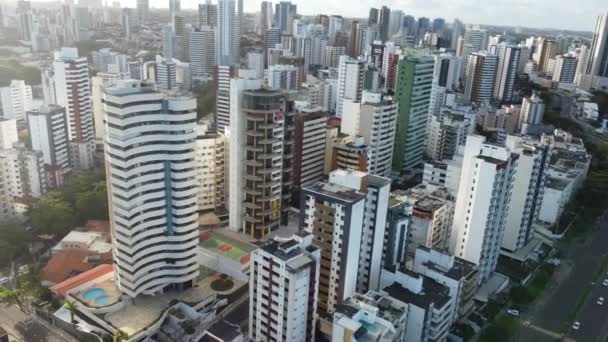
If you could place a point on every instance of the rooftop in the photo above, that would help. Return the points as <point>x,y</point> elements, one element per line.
<point>338,192</point>
<point>71,262</point>
<point>432,293</point>
<point>65,286</point>
<point>221,331</point>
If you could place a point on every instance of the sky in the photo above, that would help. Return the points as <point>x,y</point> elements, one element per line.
<point>561,14</point>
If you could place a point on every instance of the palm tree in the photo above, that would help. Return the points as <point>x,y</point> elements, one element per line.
<point>13,297</point>
<point>71,306</point>
<point>120,336</point>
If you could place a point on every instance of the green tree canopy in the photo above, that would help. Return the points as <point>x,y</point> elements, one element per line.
<point>52,215</point>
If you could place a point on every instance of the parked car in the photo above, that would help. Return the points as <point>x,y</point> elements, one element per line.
<point>576,325</point>
<point>513,312</point>
<point>600,301</point>
<point>555,262</point>
<point>4,280</point>
<point>605,282</point>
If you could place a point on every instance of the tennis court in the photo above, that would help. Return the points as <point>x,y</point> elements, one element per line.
<point>225,246</point>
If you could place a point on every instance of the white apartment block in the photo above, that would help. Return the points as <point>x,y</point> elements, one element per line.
<point>73,92</point>
<point>528,190</point>
<point>165,73</point>
<point>430,307</point>
<point>565,68</point>
<point>334,215</point>
<point>447,70</point>
<point>430,213</point>
<point>210,150</point>
<point>483,198</point>
<point>480,77</point>
<point>24,175</point>
<point>506,72</point>
<point>106,60</point>
<point>374,119</point>
<point>377,193</point>
<point>255,62</point>
<point>283,286</point>
<point>459,275</point>
<point>370,317</point>
<point>202,52</point>
<point>350,81</point>
<point>49,134</point>
<point>222,76</point>
<point>151,172</point>
<point>8,133</point>
<point>280,76</point>
<point>15,101</point>
<point>532,111</point>
<point>227,39</point>
<point>446,132</point>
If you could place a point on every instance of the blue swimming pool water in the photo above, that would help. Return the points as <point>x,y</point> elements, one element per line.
<point>93,293</point>
<point>102,300</point>
<point>96,295</point>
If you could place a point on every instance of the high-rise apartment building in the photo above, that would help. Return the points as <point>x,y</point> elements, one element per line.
<point>506,72</point>
<point>334,215</point>
<point>284,14</point>
<point>565,68</point>
<point>548,50</point>
<point>446,132</point>
<point>155,225</point>
<point>310,125</point>
<point>283,77</point>
<point>260,158</point>
<point>207,14</point>
<point>475,40</point>
<point>528,190</point>
<point>222,76</point>
<point>15,101</point>
<point>532,111</point>
<point>24,176</point>
<point>480,77</point>
<point>457,32</point>
<point>598,64</point>
<point>143,7</point>
<point>350,81</point>
<point>375,120</point>
<point>49,134</point>
<point>266,17</point>
<point>484,193</point>
<point>447,70</point>
<point>165,73</point>
<point>210,155</point>
<point>202,52</point>
<point>255,63</point>
<point>377,193</point>
<point>73,92</point>
<point>283,290</point>
<point>413,93</point>
<point>228,39</point>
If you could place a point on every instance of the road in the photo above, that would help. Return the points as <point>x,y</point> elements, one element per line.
<point>593,317</point>
<point>552,311</point>
<point>26,330</point>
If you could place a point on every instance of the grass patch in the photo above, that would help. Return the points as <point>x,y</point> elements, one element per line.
<point>222,284</point>
<point>491,309</point>
<point>522,295</point>
<point>503,329</point>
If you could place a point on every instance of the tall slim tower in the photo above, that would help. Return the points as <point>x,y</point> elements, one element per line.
<point>207,14</point>
<point>413,92</point>
<point>350,81</point>
<point>383,23</point>
<point>142,11</point>
<point>482,203</point>
<point>598,65</point>
<point>506,73</point>
<point>152,187</point>
<point>227,33</point>
<point>73,92</point>
<point>480,77</point>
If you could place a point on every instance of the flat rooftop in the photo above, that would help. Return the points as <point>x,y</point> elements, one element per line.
<point>219,243</point>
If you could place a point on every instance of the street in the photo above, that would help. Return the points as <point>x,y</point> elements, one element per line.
<point>26,330</point>
<point>552,311</point>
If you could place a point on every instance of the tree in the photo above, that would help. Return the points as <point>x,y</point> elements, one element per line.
<point>93,203</point>
<point>205,99</point>
<point>14,241</point>
<point>52,215</point>
<point>15,297</point>
<point>71,307</point>
<point>120,336</point>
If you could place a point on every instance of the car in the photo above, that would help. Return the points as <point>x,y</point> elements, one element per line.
<point>513,312</point>
<point>600,301</point>
<point>555,262</point>
<point>576,325</point>
<point>4,280</point>
<point>23,269</point>
<point>605,282</point>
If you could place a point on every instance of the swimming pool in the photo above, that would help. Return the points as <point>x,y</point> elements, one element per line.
<point>96,295</point>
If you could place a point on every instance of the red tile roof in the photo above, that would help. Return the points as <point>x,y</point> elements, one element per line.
<point>83,278</point>
<point>98,226</point>
<point>69,263</point>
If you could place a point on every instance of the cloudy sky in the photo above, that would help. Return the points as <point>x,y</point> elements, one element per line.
<point>578,14</point>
